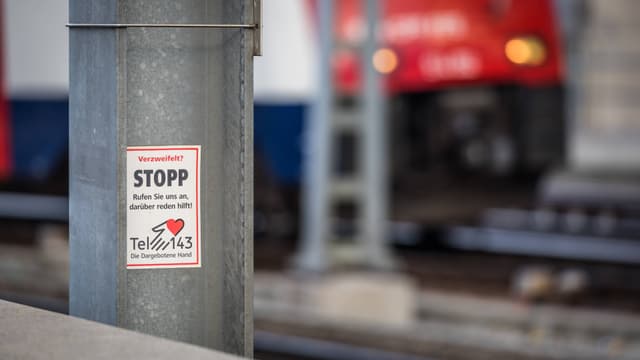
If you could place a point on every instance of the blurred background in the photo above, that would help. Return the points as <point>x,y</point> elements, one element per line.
<point>440,179</point>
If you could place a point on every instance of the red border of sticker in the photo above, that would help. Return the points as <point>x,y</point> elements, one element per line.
<point>197,150</point>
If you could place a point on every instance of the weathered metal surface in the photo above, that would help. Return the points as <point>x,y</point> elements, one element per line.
<point>93,163</point>
<point>157,86</point>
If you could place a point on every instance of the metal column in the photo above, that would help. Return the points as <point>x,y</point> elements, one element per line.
<point>374,155</point>
<point>149,86</point>
<point>313,252</point>
<point>366,186</point>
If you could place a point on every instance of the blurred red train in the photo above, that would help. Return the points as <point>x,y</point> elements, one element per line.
<point>474,85</point>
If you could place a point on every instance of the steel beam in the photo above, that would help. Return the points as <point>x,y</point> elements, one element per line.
<point>158,87</point>
<point>313,252</point>
<point>374,232</point>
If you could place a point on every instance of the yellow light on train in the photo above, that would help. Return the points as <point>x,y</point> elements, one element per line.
<point>385,60</point>
<point>528,50</point>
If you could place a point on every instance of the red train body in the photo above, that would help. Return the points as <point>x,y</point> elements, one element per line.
<point>442,43</point>
<point>473,85</point>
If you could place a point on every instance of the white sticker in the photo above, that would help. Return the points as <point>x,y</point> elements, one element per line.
<point>163,206</point>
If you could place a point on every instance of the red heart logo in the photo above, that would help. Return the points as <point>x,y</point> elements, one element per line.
<point>175,226</point>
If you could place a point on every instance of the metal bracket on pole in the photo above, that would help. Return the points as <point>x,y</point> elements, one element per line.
<point>256,26</point>
<point>257,35</point>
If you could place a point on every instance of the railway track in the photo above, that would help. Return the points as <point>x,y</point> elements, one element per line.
<point>610,286</point>
<point>388,313</point>
<point>462,274</point>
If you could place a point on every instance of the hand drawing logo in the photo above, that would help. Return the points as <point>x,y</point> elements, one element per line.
<point>162,242</point>
<point>174,226</point>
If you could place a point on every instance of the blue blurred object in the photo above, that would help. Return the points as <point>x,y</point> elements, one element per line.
<point>40,136</point>
<point>278,137</point>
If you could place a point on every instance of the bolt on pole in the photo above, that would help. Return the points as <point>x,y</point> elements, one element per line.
<point>161,177</point>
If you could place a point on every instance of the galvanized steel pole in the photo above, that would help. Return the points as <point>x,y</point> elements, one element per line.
<point>313,252</point>
<point>374,154</point>
<point>160,88</point>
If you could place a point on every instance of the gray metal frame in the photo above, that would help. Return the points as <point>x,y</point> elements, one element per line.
<point>532,243</point>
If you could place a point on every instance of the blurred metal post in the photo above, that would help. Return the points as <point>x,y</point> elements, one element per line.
<point>160,86</point>
<point>374,155</point>
<point>315,236</point>
<point>604,125</point>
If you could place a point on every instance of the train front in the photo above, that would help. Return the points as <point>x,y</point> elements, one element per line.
<point>475,86</point>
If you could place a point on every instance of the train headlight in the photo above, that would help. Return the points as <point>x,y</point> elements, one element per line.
<point>526,50</point>
<point>385,61</point>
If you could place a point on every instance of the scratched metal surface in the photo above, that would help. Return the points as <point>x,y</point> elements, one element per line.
<point>174,87</point>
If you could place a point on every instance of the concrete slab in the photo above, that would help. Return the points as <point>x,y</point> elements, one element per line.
<point>28,333</point>
<point>375,298</point>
